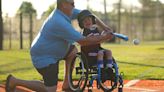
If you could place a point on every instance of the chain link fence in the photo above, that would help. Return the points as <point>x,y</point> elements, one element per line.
<point>146,24</point>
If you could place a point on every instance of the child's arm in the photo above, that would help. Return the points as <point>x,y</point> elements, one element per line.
<point>102,25</point>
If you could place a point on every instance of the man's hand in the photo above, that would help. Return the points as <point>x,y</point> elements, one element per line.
<point>108,34</point>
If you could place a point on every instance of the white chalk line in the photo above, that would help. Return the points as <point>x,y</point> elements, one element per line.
<point>131,83</point>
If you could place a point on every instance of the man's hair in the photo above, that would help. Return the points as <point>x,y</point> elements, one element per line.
<point>59,2</point>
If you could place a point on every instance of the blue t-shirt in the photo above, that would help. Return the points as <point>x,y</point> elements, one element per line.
<point>54,39</point>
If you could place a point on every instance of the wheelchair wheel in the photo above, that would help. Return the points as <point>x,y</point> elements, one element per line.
<point>78,74</point>
<point>109,78</point>
<point>107,82</point>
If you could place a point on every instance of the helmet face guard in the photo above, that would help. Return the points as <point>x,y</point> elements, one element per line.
<point>82,15</point>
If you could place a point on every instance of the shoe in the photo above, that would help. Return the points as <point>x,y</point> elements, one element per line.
<point>7,86</point>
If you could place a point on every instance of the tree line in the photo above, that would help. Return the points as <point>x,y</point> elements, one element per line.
<point>121,17</point>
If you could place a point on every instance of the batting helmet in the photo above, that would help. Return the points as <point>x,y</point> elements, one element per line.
<point>82,15</point>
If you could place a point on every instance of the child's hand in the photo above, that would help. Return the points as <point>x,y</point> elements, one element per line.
<point>105,32</point>
<point>108,34</point>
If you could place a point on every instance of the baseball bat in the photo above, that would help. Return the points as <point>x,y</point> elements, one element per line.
<point>122,36</point>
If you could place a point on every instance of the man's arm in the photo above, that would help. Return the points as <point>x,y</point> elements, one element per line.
<point>90,40</point>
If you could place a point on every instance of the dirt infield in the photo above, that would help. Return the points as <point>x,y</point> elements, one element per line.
<point>129,86</point>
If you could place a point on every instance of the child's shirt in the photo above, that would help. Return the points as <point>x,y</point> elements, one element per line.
<point>90,48</point>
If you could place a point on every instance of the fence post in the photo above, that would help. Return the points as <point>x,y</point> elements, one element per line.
<point>1,28</point>
<point>10,33</point>
<point>21,32</point>
<point>31,27</point>
<point>105,13</point>
<point>119,17</point>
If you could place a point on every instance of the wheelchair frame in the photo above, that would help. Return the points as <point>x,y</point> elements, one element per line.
<point>87,74</point>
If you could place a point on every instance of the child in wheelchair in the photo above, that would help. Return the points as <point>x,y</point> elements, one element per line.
<point>93,63</point>
<point>95,52</point>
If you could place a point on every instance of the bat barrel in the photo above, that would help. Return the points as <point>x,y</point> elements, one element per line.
<point>124,37</point>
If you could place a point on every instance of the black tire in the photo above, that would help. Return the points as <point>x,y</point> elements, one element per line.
<point>109,83</point>
<point>78,74</point>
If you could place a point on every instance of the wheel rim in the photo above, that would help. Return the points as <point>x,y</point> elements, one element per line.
<point>78,74</point>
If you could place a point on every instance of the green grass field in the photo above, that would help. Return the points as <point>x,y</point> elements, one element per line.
<point>145,61</point>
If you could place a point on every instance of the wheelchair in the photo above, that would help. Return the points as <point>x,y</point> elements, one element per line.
<point>83,74</point>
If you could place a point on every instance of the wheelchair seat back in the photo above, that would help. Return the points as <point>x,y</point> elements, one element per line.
<point>91,61</point>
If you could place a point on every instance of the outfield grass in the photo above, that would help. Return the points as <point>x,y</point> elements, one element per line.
<point>145,61</point>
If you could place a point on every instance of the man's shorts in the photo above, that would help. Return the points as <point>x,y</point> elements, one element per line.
<point>50,74</point>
